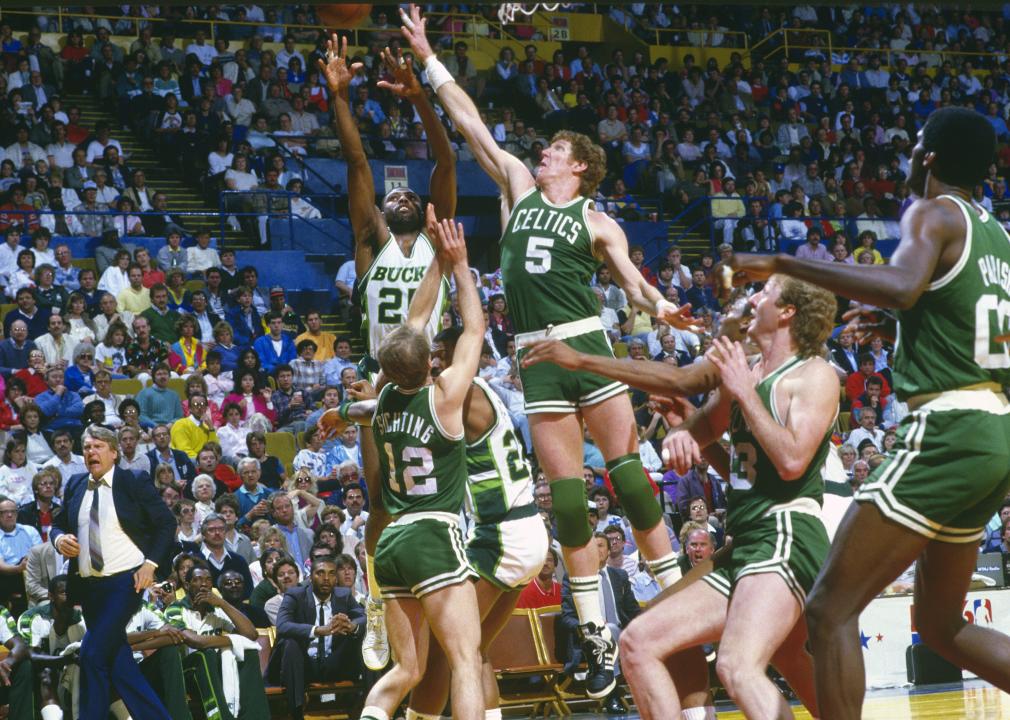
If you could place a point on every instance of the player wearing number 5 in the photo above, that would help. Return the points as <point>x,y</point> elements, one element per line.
<point>552,243</point>
<point>420,563</point>
<point>779,414</point>
<point>950,282</point>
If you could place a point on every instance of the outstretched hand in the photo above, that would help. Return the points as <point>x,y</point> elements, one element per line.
<point>447,236</point>
<point>678,316</point>
<point>414,32</point>
<point>335,69</point>
<point>405,83</point>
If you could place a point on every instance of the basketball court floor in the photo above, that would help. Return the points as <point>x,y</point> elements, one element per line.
<point>972,700</point>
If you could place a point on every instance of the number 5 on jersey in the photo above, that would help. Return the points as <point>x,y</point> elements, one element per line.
<point>538,255</point>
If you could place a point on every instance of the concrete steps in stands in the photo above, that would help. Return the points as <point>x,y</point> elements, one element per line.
<point>183,194</point>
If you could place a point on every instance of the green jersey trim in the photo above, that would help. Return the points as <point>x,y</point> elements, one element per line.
<point>962,261</point>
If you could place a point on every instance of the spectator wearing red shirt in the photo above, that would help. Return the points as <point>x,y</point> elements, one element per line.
<point>543,590</point>
<point>855,384</point>
<point>637,255</point>
<point>17,212</point>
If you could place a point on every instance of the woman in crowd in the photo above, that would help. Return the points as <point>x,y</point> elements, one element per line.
<point>253,399</point>
<point>23,276</point>
<point>49,295</point>
<point>17,471</point>
<point>129,413</point>
<point>311,458</point>
<point>233,433</point>
<point>265,588</point>
<point>867,244</point>
<point>303,493</point>
<point>78,324</point>
<point>80,376</point>
<point>185,515</point>
<point>188,347</point>
<point>270,540</point>
<point>272,473</point>
<point>219,381</point>
<point>124,221</point>
<point>203,491</point>
<point>111,353</point>
<point>249,360</point>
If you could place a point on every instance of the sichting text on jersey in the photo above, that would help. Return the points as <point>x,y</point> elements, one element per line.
<point>404,422</point>
<point>995,271</point>
<point>560,224</point>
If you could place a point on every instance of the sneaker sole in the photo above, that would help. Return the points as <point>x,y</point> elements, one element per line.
<point>375,668</point>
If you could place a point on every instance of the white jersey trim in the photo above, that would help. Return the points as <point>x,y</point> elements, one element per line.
<point>951,274</point>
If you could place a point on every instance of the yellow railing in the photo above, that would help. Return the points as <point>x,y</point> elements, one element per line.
<point>731,39</point>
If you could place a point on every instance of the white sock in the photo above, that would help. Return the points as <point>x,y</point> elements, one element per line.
<point>371,712</point>
<point>706,712</point>
<point>52,712</point>
<point>493,714</point>
<point>666,570</point>
<point>414,715</point>
<point>586,597</point>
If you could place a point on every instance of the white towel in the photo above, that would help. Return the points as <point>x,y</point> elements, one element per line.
<point>230,658</point>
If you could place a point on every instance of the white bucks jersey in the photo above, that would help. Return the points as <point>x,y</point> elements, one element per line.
<point>389,285</point>
<point>499,477</point>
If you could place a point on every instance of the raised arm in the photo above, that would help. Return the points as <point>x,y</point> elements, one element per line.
<point>931,236</point>
<point>407,85</point>
<point>453,383</point>
<point>612,246</point>
<point>507,171</point>
<point>683,446</point>
<point>426,296</point>
<point>366,220</point>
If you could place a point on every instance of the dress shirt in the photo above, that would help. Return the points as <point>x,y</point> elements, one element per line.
<point>14,545</point>
<point>67,470</point>
<point>327,607</point>
<point>119,553</point>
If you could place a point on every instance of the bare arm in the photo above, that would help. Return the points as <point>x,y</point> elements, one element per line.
<point>683,446</point>
<point>426,296</point>
<point>366,220</point>
<point>507,171</point>
<point>612,246</point>
<point>931,233</point>
<point>811,407</point>
<point>454,382</point>
<point>243,625</point>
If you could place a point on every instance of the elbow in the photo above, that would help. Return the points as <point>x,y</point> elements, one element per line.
<point>790,470</point>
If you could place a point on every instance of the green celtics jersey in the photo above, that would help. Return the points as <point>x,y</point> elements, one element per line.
<point>500,478</point>
<point>547,262</point>
<point>388,286</point>
<point>755,486</point>
<point>949,338</point>
<point>423,468</point>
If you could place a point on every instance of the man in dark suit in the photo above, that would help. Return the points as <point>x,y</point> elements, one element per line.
<point>15,348</point>
<point>185,470</point>
<point>619,608</point>
<point>319,631</point>
<point>117,532</point>
<point>844,352</point>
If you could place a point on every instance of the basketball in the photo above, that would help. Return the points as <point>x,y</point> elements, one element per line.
<point>343,15</point>
<point>331,424</point>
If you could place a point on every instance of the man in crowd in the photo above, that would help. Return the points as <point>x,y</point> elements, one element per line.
<point>193,432</point>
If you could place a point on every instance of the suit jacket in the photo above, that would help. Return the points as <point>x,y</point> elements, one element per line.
<point>839,358</point>
<point>28,513</point>
<point>142,514</point>
<point>185,466</point>
<point>28,94</point>
<point>43,566</point>
<point>72,177</point>
<point>12,359</point>
<point>297,614</point>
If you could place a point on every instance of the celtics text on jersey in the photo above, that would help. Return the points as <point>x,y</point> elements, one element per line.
<point>755,486</point>
<point>953,336</point>
<point>499,476</point>
<point>547,262</point>
<point>423,468</point>
<point>388,286</point>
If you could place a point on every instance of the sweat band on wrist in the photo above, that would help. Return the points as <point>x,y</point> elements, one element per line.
<point>438,74</point>
<point>345,409</point>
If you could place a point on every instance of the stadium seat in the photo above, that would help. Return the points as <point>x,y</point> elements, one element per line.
<point>178,386</point>
<point>282,446</point>
<point>126,386</point>
<point>517,655</point>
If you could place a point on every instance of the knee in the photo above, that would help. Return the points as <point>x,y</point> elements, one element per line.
<point>937,632</point>
<point>734,671</point>
<point>818,612</point>
<point>634,649</point>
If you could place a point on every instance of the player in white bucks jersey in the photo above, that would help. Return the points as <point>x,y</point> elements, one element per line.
<point>950,468</point>
<point>391,251</point>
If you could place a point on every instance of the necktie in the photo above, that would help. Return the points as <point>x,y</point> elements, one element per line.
<point>94,529</point>
<point>321,643</point>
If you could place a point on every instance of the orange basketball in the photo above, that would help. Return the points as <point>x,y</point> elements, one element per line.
<point>343,15</point>
<point>331,424</point>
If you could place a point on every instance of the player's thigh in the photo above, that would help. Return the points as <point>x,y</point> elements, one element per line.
<point>762,612</point>
<point>693,616</point>
<point>612,425</point>
<point>868,552</point>
<point>557,438</point>
<point>454,619</point>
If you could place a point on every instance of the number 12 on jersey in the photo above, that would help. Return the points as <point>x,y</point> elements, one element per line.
<point>415,467</point>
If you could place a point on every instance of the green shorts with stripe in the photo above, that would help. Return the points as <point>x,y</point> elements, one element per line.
<point>787,543</point>
<point>420,553</point>
<point>950,469</point>
<point>548,388</point>
<point>508,554</point>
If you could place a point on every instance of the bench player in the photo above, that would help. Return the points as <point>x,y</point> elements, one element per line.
<point>948,474</point>
<point>391,250</point>
<point>552,243</point>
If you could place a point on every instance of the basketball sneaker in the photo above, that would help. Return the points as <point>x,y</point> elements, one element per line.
<point>600,649</point>
<point>375,646</point>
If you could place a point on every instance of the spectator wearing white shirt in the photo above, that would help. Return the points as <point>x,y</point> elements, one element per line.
<point>867,430</point>
<point>812,249</point>
<point>96,148</point>
<point>205,53</point>
<point>60,152</point>
<point>64,460</point>
<point>201,258</point>
<point>289,51</point>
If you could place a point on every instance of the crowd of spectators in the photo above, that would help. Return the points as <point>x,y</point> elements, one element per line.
<point>787,152</point>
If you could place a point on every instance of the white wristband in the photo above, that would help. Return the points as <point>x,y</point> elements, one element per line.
<point>438,74</point>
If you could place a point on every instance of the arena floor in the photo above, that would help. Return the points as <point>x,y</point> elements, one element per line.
<point>974,700</point>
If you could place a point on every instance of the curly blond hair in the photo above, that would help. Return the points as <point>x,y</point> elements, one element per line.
<point>585,150</point>
<point>815,314</point>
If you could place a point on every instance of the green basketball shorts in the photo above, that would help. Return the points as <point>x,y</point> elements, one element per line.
<point>510,553</point>
<point>950,469</point>
<point>420,553</point>
<point>789,543</point>
<point>551,389</point>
